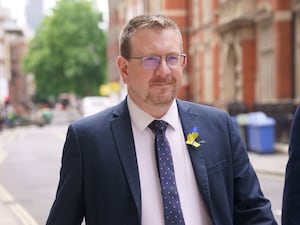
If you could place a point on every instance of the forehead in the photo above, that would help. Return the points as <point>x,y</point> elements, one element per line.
<point>152,40</point>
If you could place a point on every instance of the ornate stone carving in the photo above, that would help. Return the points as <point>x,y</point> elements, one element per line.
<point>236,13</point>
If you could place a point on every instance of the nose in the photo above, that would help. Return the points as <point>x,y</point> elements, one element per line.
<point>163,67</point>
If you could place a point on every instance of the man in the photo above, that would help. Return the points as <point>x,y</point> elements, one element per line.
<point>154,159</point>
<point>291,194</point>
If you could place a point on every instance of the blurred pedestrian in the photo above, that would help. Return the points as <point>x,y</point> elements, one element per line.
<point>291,194</point>
<point>9,114</point>
<point>154,159</point>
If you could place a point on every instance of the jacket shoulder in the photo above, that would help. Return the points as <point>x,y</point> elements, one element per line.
<point>102,118</point>
<point>201,109</point>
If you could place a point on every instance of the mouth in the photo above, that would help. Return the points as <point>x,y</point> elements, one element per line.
<point>162,83</point>
<point>161,87</point>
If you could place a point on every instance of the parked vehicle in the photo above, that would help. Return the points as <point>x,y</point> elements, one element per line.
<point>94,104</point>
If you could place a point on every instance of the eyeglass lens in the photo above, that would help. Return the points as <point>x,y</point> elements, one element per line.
<point>152,62</point>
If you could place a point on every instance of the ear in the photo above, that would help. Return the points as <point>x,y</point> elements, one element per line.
<point>122,65</point>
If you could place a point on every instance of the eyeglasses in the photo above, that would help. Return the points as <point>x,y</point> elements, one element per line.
<point>152,62</point>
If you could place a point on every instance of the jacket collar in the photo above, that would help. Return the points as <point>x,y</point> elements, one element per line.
<point>122,133</point>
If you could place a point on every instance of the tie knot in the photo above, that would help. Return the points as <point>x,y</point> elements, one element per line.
<point>158,125</point>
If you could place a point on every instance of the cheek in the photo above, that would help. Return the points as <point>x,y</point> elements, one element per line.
<point>136,81</point>
<point>178,75</point>
<point>137,78</point>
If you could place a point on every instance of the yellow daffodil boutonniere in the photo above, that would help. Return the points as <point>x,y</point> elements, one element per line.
<point>192,136</point>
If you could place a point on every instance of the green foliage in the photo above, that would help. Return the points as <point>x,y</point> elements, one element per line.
<point>68,51</point>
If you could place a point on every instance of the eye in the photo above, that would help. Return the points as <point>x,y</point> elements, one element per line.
<point>172,59</point>
<point>151,61</point>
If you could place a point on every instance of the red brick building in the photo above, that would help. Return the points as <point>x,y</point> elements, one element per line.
<point>244,51</point>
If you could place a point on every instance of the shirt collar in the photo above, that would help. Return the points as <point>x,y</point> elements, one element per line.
<point>140,119</point>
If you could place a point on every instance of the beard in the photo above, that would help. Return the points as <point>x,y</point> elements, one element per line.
<point>158,96</point>
<point>161,97</point>
<point>161,92</point>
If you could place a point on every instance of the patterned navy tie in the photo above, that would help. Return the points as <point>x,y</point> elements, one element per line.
<point>172,209</point>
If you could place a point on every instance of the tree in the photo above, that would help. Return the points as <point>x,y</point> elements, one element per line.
<point>68,51</point>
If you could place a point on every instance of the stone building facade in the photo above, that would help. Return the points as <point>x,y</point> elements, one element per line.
<point>20,92</point>
<point>14,85</point>
<point>245,51</point>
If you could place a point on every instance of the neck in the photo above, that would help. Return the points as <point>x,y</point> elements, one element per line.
<point>155,110</point>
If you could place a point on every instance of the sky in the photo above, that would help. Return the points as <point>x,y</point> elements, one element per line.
<point>17,7</point>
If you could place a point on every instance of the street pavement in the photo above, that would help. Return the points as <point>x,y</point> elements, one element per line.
<point>271,163</point>
<point>264,163</point>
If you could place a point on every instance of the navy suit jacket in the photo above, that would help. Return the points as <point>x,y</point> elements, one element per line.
<point>99,177</point>
<point>291,194</point>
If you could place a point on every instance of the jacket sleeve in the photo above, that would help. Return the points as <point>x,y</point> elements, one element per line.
<point>250,205</point>
<point>68,207</point>
<point>291,194</point>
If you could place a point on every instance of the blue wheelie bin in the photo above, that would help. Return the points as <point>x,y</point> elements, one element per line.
<point>261,132</point>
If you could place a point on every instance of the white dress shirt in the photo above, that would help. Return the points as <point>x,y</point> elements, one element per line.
<point>194,210</point>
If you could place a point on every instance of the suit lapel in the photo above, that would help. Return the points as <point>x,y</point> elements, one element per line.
<point>126,150</point>
<point>197,155</point>
<point>122,132</point>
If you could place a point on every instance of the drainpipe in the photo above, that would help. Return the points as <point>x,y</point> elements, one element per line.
<point>188,46</point>
<point>293,52</point>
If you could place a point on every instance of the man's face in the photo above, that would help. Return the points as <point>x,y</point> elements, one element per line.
<point>153,87</point>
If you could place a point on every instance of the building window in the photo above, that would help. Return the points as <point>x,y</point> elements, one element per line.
<point>2,71</point>
<point>195,14</point>
<point>206,12</point>
<point>231,75</point>
<point>208,76</point>
<point>265,86</point>
<point>196,84</point>
<point>222,1</point>
<point>153,6</point>
<point>2,55</point>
